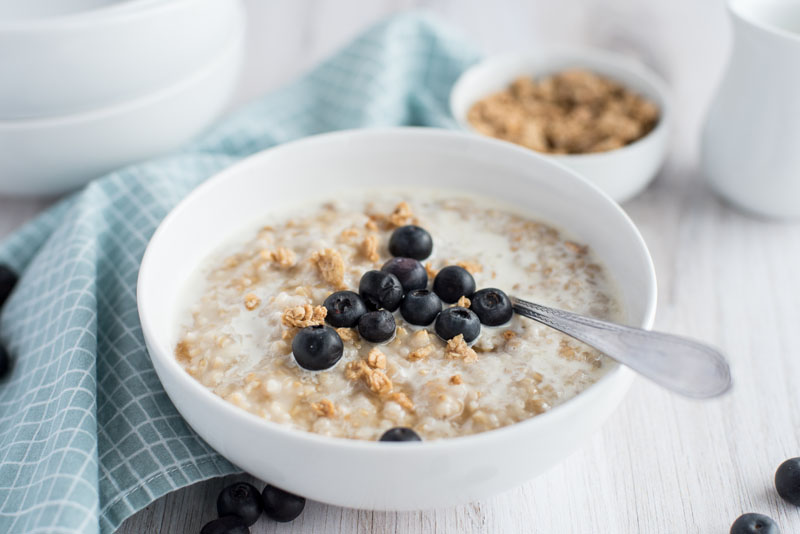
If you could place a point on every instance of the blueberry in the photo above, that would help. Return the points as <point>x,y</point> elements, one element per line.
<point>458,320</point>
<point>242,500</point>
<point>400,433</point>
<point>376,326</point>
<point>787,481</point>
<point>754,524</point>
<point>317,347</point>
<point>380,290</point>
<point>410,272</point>
<point>452,283</point>
<point>8,279</point>
<point>281,505</point>
<point>344,309</point>
<point>411,242</point>
<point>420,307</point>
<point>5,361</point>
<point>491,306</point>
<point>230,524</point>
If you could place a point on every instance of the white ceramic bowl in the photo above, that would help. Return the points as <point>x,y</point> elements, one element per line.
<point>49,156</point>
<point>622,173</point>
<point>91,59</point>
<point>373,475</point>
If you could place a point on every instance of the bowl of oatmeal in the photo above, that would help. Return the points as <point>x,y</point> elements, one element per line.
<point>332,292</point>
<point>600,114</point>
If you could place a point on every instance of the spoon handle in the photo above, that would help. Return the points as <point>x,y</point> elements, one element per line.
<point>679,364</point>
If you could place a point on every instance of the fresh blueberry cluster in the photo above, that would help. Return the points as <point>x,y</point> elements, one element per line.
<point>402,284</point>
<point>787,483</point>
<point>240,505</point>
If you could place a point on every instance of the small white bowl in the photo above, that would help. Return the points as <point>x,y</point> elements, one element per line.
<point>80,62</point>
<point>374,475</point>
<point>50,156</point>
<point>623,172</point>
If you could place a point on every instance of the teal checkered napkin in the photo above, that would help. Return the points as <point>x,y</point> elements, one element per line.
<point>87,434</point>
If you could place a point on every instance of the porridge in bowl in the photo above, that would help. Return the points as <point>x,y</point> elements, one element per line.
<point>388,310</point>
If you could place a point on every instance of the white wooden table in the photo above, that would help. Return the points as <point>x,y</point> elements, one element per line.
<point>661,464</point>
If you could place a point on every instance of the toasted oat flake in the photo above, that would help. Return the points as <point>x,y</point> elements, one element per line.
<point>369,247</point>
<point>348,233</point>
<point>375,379</point>
<point>251,302</point>
<point>576,248</point>
<point>509,334</point>
<point>472,267</point>
<point>401,215</point>
<point>463,301</point>
<point>370,225</point>
<point>456,380</point>
<point>376,359</point>
<point>378,382</point>
<point>304,315</point>
<point>347,334</point>
<point>282,257</point>
<point>420,353</point>
<point>430,270</point>
<point>403,400</point>
<point>330,266</point>
<point>324,408</point>
<point>565,350</point>
<point>182,351</point>
<point>457,348</point>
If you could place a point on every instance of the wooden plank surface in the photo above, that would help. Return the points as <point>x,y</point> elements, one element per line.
<point>661,464</point>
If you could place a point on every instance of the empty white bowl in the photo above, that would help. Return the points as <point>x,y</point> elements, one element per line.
<point>623,172</point>
<point>374,475</point>
<point>95,58</point>
<point>49,156</point>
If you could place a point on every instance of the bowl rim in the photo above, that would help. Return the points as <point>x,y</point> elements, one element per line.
<point>619,375</point>
<point>115,12</point>
<point>580,55</point>
<point>230,50</point>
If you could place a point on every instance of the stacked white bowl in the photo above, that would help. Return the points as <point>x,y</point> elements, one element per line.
<point>87,86</point>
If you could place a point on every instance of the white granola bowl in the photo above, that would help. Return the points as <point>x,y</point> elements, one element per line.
<point>373,475</point>
<point>622,173</point>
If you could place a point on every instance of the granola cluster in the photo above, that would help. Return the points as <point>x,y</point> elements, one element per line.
<point>571,112</point>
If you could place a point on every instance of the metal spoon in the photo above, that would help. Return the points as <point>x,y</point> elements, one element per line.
<point>679,364</point>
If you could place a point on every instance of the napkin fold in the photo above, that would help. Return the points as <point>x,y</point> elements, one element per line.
<point>87,434</point>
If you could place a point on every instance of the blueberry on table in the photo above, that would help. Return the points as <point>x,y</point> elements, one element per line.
<point>411,242</point>
<point>317,347</point>
<point>5,361</point>
<point>344,309</point>
<point>380,289</point>
<point>452,283</point>
<point>410,272</point>
<point>754,524</point>
<point>420,307</point>
<point>8,279</point>
<point>281,505</point>
<point>376,326</point>
<point>242,500</point>
<point>492,306</point>
<point>230,524</point>
<point>787,481</point>
<point>400,433</point>
<point>457,320</point>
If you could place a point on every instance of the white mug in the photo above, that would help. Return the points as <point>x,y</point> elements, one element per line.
<point>751,141</point>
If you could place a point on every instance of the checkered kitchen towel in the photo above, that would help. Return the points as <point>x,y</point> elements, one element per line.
<point>87,434</point>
